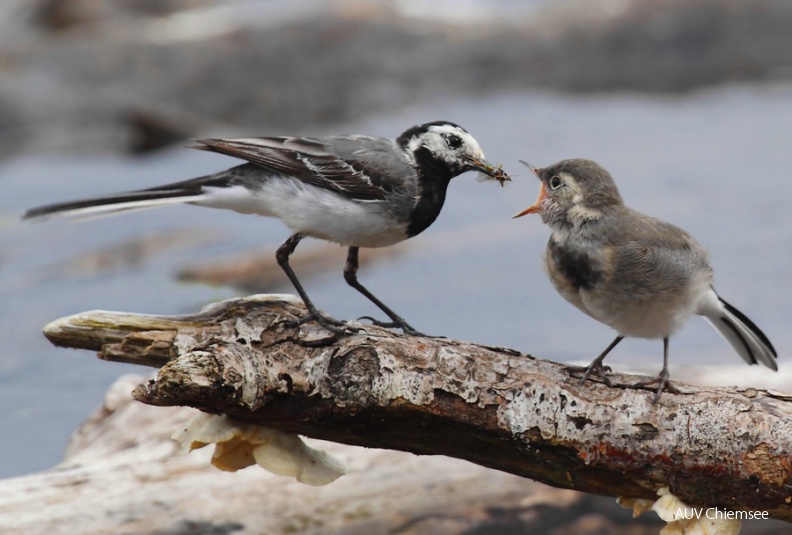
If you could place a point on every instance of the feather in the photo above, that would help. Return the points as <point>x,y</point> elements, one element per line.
<point>108,204</point>
<point>746,338</point>
<point>311,161</point>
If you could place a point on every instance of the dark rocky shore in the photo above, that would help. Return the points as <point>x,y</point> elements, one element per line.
<point>135,74</point>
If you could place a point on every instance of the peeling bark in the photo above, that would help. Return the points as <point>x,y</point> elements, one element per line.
<point>491,406</point>
<point>124,475</point>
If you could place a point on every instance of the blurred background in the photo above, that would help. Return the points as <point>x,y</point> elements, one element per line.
<point>689,105</point>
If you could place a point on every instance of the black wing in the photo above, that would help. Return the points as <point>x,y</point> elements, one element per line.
<point>355,166</point>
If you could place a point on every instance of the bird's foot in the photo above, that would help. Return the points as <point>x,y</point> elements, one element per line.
<point>663,382</point>
<point>398,324</point>
<point>331,324</point>
<point>586,372</point>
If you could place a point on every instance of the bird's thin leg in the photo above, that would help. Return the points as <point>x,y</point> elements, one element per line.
<point>331,324</point>
<point>596,366</point>
<point>663,379</point>
<point>350,275</point>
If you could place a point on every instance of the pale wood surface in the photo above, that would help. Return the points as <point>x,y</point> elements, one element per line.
<point>494,407</point>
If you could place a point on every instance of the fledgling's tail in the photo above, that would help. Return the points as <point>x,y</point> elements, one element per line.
<point>743,334</point>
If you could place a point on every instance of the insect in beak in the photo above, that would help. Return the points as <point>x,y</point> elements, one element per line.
<point>489,171</point>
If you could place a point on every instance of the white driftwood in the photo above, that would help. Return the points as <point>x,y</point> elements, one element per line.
<point>123,474</point>
<point>245,358</point>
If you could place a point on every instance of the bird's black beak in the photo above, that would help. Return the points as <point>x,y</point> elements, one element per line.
<point>488,171</point>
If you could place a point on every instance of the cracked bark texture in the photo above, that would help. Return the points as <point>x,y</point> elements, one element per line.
<point>491,406</point>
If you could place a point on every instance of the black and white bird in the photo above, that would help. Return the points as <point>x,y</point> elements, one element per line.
<point>640,275</point>
<point>354,190</point>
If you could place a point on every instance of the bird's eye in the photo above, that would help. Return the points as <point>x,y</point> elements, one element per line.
<point>555,182</point>
<point>453,141</point>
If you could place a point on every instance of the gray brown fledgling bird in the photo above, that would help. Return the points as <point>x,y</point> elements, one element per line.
<point>639,275</point>
<point>358,191</point>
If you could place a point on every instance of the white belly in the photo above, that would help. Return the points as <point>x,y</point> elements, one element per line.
<point>649,317</point>
<point>314,211</point>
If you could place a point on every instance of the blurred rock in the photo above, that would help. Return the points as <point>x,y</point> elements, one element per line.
<point>126,254</point>
<point>58,15</point>
<point>275,67</point>
<point>671,46</point>
<point>14,133</point>
<point>150,129</point>
<point>258,271</point>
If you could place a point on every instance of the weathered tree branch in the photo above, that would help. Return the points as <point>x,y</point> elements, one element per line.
<point>492,406</point>
<point>124,474</point>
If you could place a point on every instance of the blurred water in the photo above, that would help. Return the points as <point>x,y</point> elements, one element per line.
<point>715,162</point>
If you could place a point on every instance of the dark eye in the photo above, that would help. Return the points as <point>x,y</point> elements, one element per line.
<point>555,182</point>
<point>453,141</point>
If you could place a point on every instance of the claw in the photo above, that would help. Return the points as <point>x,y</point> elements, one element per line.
<point>386,324</point>
<point>331,324</point>
<point>595,368</point>
<point>663,382</point>
<point>372,320</point>
<point>403,325</point>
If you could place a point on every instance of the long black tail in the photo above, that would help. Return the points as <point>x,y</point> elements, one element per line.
<point>743,334</point>
<point>107,204</point>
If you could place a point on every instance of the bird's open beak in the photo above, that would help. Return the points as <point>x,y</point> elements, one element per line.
<point>537,206</point>
<point>489,171</point>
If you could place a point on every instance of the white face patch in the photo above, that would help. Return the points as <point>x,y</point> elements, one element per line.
<point>448,143</point>
<point>579,212</point>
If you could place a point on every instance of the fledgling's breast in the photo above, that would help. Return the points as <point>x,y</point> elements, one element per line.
<point>573,270</point>
<point>578,267</point>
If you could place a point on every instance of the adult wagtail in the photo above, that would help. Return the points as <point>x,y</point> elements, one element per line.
<point>355,190</point>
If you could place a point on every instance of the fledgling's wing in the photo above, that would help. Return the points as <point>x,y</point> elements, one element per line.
<point>654,256</point>
<point>359,167</point>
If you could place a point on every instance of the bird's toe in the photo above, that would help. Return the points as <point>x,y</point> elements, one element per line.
<point>663,382</point>
<point>333,325</point>
<point>587,373</point>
